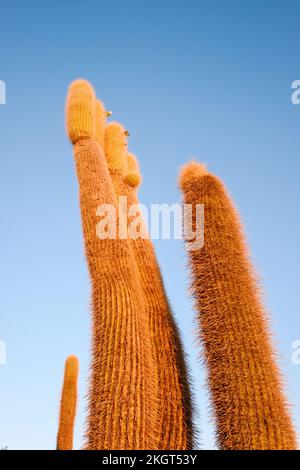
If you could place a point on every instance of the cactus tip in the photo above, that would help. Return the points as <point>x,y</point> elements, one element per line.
<point>80,85</point>
<point>190,172</point>
<point>133,179</point>
<point>72,360</point>
<point>80,110</point>
<point>133,176</point>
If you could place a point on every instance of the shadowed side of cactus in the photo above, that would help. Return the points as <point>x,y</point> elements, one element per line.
<point>68,405</point>
<point>249,405</point>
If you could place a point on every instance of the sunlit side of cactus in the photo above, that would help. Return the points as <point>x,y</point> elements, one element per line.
<point>249,405</point>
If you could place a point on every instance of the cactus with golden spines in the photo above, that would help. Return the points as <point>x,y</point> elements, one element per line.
<point>122,394</point>
<point>139,394</point>
<point>249,405</point>
<point>68,405</point>
<point>174,424</point>
<point>145,356</point>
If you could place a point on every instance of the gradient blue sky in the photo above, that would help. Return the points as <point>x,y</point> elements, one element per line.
<point>198,79</point>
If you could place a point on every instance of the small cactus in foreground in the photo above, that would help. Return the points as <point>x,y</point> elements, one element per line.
<point>68,405</point>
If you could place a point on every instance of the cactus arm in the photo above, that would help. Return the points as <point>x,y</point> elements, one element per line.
<point>68,405</point>
<point>249,405</point>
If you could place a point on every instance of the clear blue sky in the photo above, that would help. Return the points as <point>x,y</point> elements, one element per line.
<point>203,79</point>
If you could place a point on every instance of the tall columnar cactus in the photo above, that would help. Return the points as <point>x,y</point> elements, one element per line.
<point>68,405</point>
<point>250,408</point>
<point>174,426</point>
<point>123,391</point>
